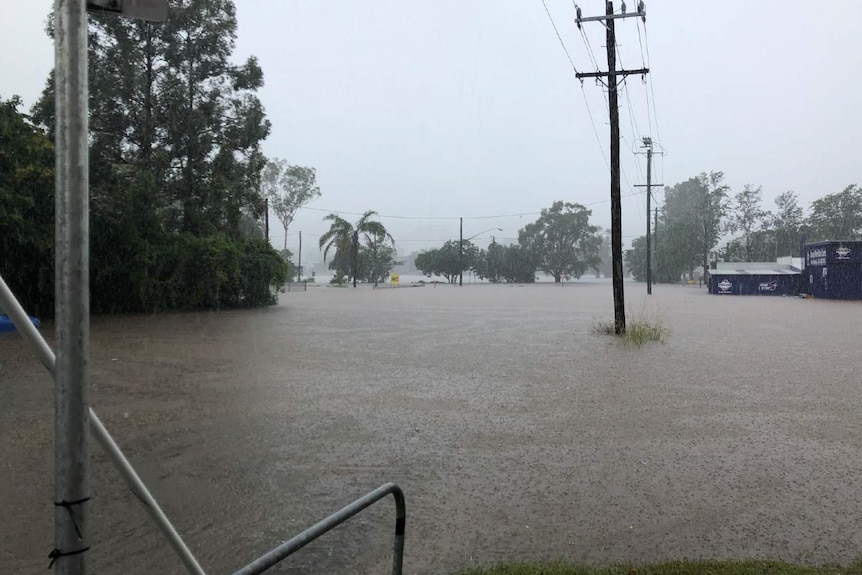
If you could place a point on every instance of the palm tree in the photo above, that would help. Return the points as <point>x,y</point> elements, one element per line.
<point>344,237</point>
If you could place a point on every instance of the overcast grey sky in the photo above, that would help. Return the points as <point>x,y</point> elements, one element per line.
<point>444,108</point>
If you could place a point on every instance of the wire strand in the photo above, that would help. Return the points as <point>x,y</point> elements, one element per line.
<point>488,217</point>
<point>651,88</point>
<point>560,38</point>
<point>583,92</point>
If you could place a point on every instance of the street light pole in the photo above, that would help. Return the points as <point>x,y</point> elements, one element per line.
<point>72,272</point>
<point>72,298</point>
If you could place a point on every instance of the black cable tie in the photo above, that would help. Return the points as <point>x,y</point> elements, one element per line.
<point>68,505</point>
<point>56,553</point>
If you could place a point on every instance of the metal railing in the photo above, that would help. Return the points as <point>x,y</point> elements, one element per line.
<point>112,450</point>
<point>296,543</point>
<point>46,356</point>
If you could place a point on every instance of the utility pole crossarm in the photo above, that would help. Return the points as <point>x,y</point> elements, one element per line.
<point>641,13</point>
<point>613,17</point>
<point>640,71</point>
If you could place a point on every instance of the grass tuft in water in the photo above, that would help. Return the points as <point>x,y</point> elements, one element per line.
<point>638,331</point>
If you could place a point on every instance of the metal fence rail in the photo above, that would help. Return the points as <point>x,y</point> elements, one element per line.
<point>40,347</point>
<point>46,356</point>
<point>296,543</point>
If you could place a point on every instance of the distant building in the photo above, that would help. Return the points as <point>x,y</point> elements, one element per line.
<point>833,270</point>
<point>829,270</point>
<point>754,278</point>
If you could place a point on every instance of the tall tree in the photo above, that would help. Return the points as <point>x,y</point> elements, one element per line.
<point>175,134</point>
<point>288,188</point>
<point>786,223</point>
<point>747,216</point>
<point>712,214</point>
<point>168,107</point>
<point>692,221</point>
<point>344,238</point>
<point>563,240</point>
<point>26,209</point>
<point>837,216</point>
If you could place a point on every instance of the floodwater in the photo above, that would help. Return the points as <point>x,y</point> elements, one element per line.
<point>514,431</point>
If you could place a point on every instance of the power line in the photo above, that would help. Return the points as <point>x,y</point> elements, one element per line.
<point>640,42</point>
<point>589,50</point>
<point>595,131</point>
<point>583,92</point>
<point>651,83</point>
<point>488,217</point>
<point>560,38</point>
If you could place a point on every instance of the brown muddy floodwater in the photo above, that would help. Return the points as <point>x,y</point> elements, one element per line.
<point>514,431</point>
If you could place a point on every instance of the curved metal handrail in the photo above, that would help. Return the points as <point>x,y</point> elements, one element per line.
<point>297,542</point>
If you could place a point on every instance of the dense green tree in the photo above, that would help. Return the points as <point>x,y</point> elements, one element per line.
<point>520,265</point>
<point>837,216</point>
<point>175,161</point>
<point>447,261</point>
<point>564,242</point>
<point>26,210</point>
<point>490,263</point>
<point>690,224</point>
<point>345,239</point>
<point>375,265</point>
<point>760,247</point>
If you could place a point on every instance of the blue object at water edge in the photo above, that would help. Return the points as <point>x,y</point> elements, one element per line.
<point>7,325</point>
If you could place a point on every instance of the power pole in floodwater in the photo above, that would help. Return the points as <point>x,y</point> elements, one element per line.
<point>355,255</point>
<point>461,255</point>
<point>655,238</point>
<point>648,144</point>
<point>613,107</point>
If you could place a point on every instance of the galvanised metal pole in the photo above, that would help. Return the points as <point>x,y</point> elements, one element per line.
<point>71,377</point>
<point>32,336</point>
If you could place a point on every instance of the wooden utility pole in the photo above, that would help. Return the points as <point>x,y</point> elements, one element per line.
<point>613,106</point>
<point>355,256</point>
<point>299,256</point>
<point>461,256</point>
<point>648,143</point>
<point>655,238</point>
<point>266,217</point>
